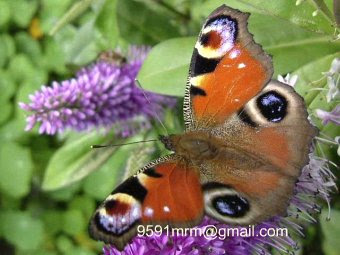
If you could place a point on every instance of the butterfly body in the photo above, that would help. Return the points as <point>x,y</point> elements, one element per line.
<point>194,146</point>
<point>246,139</point>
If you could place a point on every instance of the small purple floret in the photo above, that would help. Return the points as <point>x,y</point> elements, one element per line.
<point>332,116</point>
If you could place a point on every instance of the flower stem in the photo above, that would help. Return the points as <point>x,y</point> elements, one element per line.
<point>322,7</point>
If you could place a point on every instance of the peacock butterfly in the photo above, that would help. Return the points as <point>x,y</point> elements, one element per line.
<point>246,139</point>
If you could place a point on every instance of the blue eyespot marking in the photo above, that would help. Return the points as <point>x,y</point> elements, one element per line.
<point>231,205</point>
<point>273,106</point>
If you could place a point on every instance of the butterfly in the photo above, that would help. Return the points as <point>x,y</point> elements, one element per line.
<point>246,139</point>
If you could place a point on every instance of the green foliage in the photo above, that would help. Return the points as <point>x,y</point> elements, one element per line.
<point>50,186</point>
<point>311,72</point>
<point>73,222</point>
<point>138,24</point>
<point>22,11</point>
<point>300,15</point>
<point>5,13</point>
<point>21,229</point>
<point>330,231</point>
<point>100,183</point>
<point>76,160</point>
<point>107,23</point>
<point>166,68</point>
<point>15,170</point>
<point>7,48</point>
<point>76,10</point>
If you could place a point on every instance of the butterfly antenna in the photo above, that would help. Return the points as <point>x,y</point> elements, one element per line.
<point>121,144</point>
<point>153,111</point>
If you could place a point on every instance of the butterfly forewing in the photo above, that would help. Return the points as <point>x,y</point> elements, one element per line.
<point>163,193</point>
<point>227,69</point>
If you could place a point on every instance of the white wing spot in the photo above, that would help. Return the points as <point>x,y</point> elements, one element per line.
<point>233,54</point>
<point>242,65</point>
<point>148,211</point>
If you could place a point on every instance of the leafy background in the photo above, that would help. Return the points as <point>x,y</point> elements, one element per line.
<point>50,185</point>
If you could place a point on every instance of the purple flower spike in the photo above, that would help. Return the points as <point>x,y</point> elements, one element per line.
<point>316,181</point>
<point>101,95</point>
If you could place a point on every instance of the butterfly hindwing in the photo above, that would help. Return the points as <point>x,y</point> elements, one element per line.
<point>164,192</point>
<point>227,69</point>
<point>259,165</point>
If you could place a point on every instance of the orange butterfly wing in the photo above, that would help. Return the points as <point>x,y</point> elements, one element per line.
<point>179,191</point>
<point>227,69</point>
<point>163,192</point>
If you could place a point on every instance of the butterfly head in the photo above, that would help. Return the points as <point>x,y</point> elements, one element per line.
<point>167,141</point>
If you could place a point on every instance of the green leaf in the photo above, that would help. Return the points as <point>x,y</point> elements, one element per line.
<point>79,45</point>
<point>21,68</point>
<point>40,251</point>
<point>53,219</point>
<point>22,11</point>
<point>107,23</point>
<point>85,204</point>
<point>7,86</point>
<point>21,229</point>
<point>15,170</point>
<point>100,183</point>
<point>6,110</point>
<point>30,47</point>
<point>80,251</point>
<point>51,11</point>
<point>5,13</point>
<point>75,160</point>
<point>65,193</point>
<point>166,67</point>
<point>311,80</point>
<point>73,222</point>
<point>76,10</point>
<point>13,131</point>
<point>331,230</point>
<point>301,15</point>
<point>10,203</point>
<point>140,25</point>
<point>291,47</point>
<point>54,57</point>
<point>64,244</point>
<point>7,48</point>
<point>139,157</point>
